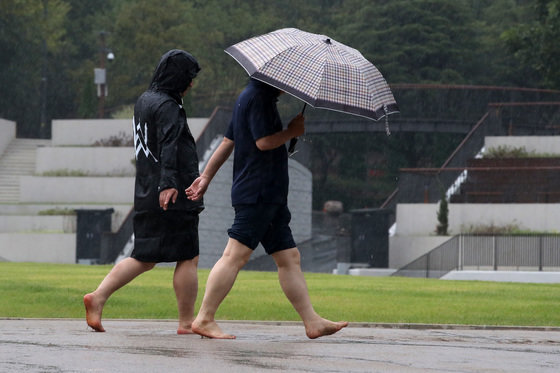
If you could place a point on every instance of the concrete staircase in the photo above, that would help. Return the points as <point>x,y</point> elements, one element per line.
<point>18,160</point>
<point>35,225</point>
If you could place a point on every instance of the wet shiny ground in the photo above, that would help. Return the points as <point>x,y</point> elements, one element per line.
<point>39,345</point>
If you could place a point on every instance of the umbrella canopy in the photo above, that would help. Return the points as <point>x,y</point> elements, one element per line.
<point>318,70</point>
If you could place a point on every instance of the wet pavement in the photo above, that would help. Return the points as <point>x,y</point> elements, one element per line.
<point>67,345</point>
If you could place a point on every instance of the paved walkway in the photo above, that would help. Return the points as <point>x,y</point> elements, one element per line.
<point>47,345</point>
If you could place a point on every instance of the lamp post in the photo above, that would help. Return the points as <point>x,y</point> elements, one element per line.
<point>100,74</point>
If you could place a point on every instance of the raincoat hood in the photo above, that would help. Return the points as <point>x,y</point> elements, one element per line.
<point>174,73</point>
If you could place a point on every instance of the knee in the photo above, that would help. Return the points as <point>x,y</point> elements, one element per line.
<point>132,263</point>
<point>236,261</point>
<point>193,263</point>
<point>236,254</point>
<point>287,258</point>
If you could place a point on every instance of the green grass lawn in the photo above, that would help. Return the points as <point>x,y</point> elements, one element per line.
<point>34,290</point>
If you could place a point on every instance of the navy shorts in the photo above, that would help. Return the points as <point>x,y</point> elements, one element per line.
<point>265,223</point>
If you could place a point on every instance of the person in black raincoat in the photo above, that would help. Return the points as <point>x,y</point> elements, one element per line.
<point>165,221</point>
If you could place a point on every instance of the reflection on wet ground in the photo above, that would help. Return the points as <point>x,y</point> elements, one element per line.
<point>153,346</point>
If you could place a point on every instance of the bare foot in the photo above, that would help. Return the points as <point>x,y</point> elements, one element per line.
<point>93,312</point>
<point>210,330</point>
<point>323,327</point>
<point>183,330</point>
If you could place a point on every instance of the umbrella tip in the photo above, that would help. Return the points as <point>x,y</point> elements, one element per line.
<point>328,41</point>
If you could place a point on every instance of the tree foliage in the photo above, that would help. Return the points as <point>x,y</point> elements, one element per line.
<point>412,40</point>
<point>535,43</point>
<point>31,34</point>
<point>49,49</point>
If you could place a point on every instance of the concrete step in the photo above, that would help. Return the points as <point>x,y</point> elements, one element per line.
<point>8,198</point>
<point>51,217</point>
<point>9,188</point>
<point>38,247</point>
<point>16,171</point>
<point>17,160</point>
<point>9,181</point>
<point>38,224</point>
<point>18,209</point>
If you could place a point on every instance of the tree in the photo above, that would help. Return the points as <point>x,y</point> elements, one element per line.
<point>31,37</point>
<point>204,28</point>
<point>535,43</point>
<point>491,18</point>
<point>411,40</point>
<point>76,94</point>
<point>443,216</point>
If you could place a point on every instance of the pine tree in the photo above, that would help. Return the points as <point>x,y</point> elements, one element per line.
<point>442,216</point>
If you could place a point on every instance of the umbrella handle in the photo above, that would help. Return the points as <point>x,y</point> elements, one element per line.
<point>294,141</point>
<point>292,146</point>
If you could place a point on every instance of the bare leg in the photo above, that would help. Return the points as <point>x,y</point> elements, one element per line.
<point>294,286</point>
<point>185,283</point>
<point>120,275</point>
<point>220,281</point>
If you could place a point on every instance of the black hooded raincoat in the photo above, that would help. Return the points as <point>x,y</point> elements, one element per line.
<point>165,158</point>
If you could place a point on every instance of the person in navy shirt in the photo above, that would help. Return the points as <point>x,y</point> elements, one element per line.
<point>259,195</point>
<point>255,117</point>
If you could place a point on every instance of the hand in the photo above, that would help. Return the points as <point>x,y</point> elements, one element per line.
<point>197,188</point>
<point>167,195</point>
<point>297,125</point>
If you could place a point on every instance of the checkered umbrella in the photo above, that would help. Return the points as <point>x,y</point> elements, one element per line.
<point>318,70</point>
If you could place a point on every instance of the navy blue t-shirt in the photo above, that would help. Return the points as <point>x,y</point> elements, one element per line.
<point>258,176</point>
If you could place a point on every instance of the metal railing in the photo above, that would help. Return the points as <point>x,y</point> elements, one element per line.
<point>501,118</point>
<point>488,252</point>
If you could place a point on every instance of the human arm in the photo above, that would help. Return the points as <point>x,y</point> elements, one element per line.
<point>168,121</point>
<point>167,195</point>
<point>295,128</point>
<point>200,185</point>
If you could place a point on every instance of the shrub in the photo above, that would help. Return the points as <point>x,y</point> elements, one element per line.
<point>122,139</point>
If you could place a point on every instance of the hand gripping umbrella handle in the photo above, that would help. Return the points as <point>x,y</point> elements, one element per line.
<point>294,141</point>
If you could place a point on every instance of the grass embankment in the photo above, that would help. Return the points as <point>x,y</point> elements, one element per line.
<point>31,290</point>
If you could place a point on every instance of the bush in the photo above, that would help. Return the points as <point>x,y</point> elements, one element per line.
<point>504,151</point>
<point>122,139</point>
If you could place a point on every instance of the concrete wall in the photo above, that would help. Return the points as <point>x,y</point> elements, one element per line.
<point>102,161</point>
<point>38,247</point>
<point>214,220</point>
<point>405,249</point>
<point>421,219</point>
<point>197,126</point>
<point>505,276</point>
<point>88,131</point>
<point>41,189</point>
<point>44,224</point>
<point>300,200</point>
<point>218,215</point>
<point>537,144</point>
<point>416,224</point>
<point>118,192</point>
<point>19,222</point>
<point>7,133</point>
